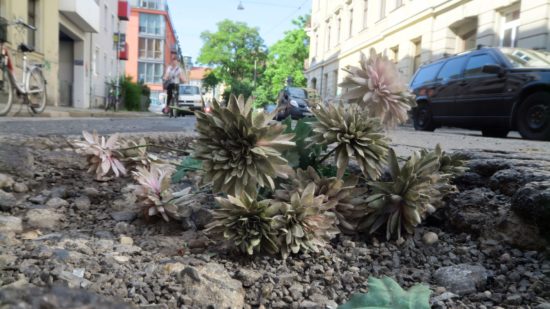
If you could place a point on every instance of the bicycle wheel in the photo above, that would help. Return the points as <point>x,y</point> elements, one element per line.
<point>6,93</point>
<point>36,90</point>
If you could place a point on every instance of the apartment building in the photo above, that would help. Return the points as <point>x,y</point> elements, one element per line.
<point>108,51</point>
<point>151,41</point>
<point>413,32</point>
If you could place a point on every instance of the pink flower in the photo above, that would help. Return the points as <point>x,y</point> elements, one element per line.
<point>102,154</point>
<point>154,191</point>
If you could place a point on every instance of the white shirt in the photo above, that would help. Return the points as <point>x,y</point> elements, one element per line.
<point>173,74</point>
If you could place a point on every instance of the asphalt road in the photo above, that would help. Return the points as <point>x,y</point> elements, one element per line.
<point>404,139</point>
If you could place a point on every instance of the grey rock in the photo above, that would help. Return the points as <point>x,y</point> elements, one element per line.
<point>43,218</point>
<point>72,280</point>
<point>6,182</point>
<point>20,187</point>
<point>16,160</point>
<point>7,200</point>
<point>462,279</point>
<point>82,203</point>
<point>38,199</point>
<point>309,304</point>
<point>11,224</point>
<point>214,287</point>
<point>513,299</point>
<point>543,306</point>
<point>248,277</point>
<point>57,202</point>
<point>532,202</point>
<point>124,215</point>
<point>60,192</point>
<point>510,180</point>
<point>57,297</point>
<point>443,297</point>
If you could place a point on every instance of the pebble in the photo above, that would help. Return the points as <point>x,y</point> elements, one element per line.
<point>57,202</point>
<point>430,238</point>
<point>6,182</point>
<point>11,224</point>
<point>125,240</point>
<point>20,187</point>
<point>82,203</point>
<point>43,218</point>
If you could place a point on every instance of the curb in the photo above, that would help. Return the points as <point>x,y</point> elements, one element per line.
<point>81,114</point>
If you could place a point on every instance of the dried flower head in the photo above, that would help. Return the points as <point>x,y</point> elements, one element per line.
<point>240,149</point>
<point>355,134</point>
<point>376,85</point>
<point>136,154</point>
<point>102,155</point>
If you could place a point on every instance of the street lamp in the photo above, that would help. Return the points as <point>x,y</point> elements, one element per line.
<point>240,7</point>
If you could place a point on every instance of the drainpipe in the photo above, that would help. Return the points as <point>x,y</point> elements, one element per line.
<point>91,57</point>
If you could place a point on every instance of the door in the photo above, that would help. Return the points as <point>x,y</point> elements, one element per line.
<point>483,95</point>
<point>66,70</point>
<point>445,88</point>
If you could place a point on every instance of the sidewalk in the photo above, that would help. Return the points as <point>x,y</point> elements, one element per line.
<point>19,110</point>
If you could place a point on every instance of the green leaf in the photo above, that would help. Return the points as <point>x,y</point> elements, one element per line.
<point>386,293</point>
<point>187,164</point>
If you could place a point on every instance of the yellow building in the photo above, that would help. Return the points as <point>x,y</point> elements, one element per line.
<point>62,44</point>
<point>412,32</point>
<point>46,19</point>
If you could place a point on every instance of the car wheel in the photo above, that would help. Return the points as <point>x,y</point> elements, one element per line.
<point>422,119</point>
<point>495,132</point>
<point>533,118</point>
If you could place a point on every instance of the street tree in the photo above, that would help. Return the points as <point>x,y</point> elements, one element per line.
<point>234,51</point>
<point>285,59</point>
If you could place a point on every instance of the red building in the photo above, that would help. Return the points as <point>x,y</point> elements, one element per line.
<point>151,39</point>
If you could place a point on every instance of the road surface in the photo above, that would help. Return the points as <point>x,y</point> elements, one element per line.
<point>404,138</point>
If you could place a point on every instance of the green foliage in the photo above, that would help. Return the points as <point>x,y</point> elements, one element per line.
<point>402,202</point>
<point>131,93</point>
<point>239,149</point>
<point>232,51</point>
<point>386,293</point>
<point>246,223</point>
<point>285,59</point>
<point>187,164</point>
<point>304,154</point>
<point>354,134</point>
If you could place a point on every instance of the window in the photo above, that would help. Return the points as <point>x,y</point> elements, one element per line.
<point>328,37</point>
<point>395,54</point>
<point>150,48</point>
<point>452,69</point>
<point>151,4</point>
<point>350,23</point>
<point>509,31</point>
<point>152,24</point>
<point>106,14</point>
<point>398,3</point>
<point>316,43</point>
<point>365,13</point>
<point>31,20</point>
<point>325,83</point>
<point>417,54</point>
<point>382,9</point>
<point>338,30</point>
<point>476,63</point>
<point>426,74</point>
<point>335,83</point>
<point>150,72</point>
<point>193,90</point>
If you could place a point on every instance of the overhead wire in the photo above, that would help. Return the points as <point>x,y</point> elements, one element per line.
<point>286,18</point>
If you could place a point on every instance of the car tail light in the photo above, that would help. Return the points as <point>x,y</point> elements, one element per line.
<point>207,109</point>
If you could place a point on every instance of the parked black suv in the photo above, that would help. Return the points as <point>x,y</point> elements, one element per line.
<point>293,101</point>
<point>494,90</point>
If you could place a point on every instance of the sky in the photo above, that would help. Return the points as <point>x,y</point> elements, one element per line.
<point>272,17</point>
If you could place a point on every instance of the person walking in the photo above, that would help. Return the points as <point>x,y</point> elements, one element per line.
<point>172,78</point>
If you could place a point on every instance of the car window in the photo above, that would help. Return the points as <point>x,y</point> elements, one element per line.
<point>426,74</point>
<point>476,63</point>
<point>297,93</point>
<point>452,69</point>
<point>189,90</point>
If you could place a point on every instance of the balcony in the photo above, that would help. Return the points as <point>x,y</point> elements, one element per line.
<point>123,10</point>
<point>84,13</point>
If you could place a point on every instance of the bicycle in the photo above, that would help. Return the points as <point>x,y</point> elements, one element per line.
<point>171,106</point>
<point>112,98</point>
<point>32,87</point>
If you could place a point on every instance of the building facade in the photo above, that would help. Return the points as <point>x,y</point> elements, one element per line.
<point>151,41</point>
<point>73,41</point>
<point>107,64</point>
<point>413,32</point>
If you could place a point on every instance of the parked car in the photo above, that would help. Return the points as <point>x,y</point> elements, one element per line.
<point>157,105</point>
<point>189,99</point>
<point>293,102</point>
<point>494,90</point>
